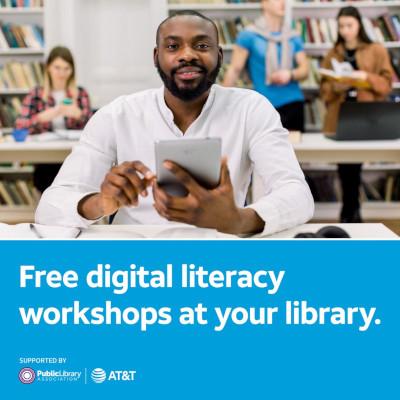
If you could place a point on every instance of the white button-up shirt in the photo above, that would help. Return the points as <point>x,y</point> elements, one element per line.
<point>252,136</point>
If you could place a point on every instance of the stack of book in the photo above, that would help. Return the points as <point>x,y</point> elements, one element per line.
<point>315,111</point>
<point>13,36</point>
<point>17,75</point>
<point>17,192</point>
<point>10,108</point>
<point>21,3</point>
<point>313,79</point>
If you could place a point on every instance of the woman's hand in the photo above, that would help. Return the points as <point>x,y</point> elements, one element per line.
<point>70,111</point>
<point>49,114</point>
<point>281,77</point>
<point>360,75</point>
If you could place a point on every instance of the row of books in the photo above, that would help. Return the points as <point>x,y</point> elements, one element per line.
<point>335,1</point>
<point>18,192</point>
<point>21,3</point>
<point>325,187</point>
<point>10,108</point>
<point>18,75</point>
<point>228,29</point>
<point>13,36</point>
<point>385,28</point>
<point>314,113</point>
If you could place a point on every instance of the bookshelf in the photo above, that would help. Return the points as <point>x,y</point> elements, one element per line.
<point>12,91</point>
<point>315,9</point>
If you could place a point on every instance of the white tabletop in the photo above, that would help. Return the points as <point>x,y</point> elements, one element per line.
<point>315,147</point>
<point>176,231</point>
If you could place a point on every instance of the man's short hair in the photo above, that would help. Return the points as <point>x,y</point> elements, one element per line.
<point>186,13</point>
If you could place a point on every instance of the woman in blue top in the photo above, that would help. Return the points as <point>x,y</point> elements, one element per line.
<point>276,61</point>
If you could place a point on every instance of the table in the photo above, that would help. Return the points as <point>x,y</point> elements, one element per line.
<point>179,231</point>
<point>315,147</point>
<point>36,152</point>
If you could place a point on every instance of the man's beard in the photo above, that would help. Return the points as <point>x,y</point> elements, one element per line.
<point>189,94</point>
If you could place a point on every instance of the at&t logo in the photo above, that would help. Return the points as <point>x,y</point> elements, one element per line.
<point>98,375</point>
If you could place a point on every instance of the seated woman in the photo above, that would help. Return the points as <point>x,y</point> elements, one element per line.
<point>59,104</point>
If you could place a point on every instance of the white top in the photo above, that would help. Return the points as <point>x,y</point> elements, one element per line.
<point>59,122</point>
<point>126,129</point>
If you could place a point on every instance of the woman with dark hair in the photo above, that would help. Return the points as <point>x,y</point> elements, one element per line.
<point>58,104</point>
<point>371,63</point>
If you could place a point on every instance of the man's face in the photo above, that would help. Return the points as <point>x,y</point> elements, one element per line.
<point>188,58</point>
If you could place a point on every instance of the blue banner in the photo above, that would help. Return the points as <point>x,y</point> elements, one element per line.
<point>242,319</point>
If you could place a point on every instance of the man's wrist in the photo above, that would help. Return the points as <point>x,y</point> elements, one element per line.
<point>90,207</point>
<point>247,222</point>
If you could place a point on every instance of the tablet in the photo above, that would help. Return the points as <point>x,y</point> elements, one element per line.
<point>200,157</point>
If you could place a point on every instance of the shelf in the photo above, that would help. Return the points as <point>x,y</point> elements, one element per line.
<point>339,4</point>
<point>366,167</point>
<point>17,214</point>
<point>378,210</point>
<point>21,10</point>
<point>28,169</point>
<point>21,52</point>
<point>211,6</point>
<point>12,92</point>
<point>395,86</point>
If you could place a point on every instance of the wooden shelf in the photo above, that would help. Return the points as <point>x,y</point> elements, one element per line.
<point>21,52</point>
<point>378,210</point>
<point>339,4</point>
<point>17,214</point>
<point>12,92</point>
<point>395,86</point>
<point>21,10</point>
<point>211,6</point>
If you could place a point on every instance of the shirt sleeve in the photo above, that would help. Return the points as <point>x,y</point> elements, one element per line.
<point>81,174</point>
<point>298,45</point>
<point>286,200</point>
<point>245,39</point>
<point>28,116</point>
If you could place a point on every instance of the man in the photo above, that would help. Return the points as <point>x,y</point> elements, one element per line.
<point>100,178</point>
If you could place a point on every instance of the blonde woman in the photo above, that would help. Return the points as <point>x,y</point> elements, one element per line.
<point>59,104</point>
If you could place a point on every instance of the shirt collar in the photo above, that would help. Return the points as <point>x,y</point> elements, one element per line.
<point>167,113</point>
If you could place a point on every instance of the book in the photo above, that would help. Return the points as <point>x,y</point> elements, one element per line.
<point>343,72</point>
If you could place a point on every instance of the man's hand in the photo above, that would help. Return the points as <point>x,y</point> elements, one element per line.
<point>205,208</point>
<point>121,188</point>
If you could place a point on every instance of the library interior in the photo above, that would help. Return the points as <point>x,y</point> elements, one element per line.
<point>331,70</point>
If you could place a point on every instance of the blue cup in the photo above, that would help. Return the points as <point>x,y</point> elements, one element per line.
<point>20,134</point>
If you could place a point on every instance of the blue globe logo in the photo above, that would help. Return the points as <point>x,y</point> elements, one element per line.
<point>98,375</point>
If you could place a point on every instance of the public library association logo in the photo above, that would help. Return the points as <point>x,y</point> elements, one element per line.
<point>27,375</point>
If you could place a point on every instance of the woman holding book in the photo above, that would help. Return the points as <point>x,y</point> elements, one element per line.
<point>370,81</point>
<point>58,104</point>
<point>276,61</point>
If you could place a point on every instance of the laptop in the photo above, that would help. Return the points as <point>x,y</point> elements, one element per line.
<point>368,121</point>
